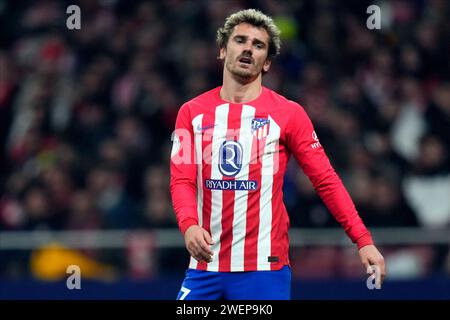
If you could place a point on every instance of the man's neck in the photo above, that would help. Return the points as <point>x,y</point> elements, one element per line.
<point>236,92</point>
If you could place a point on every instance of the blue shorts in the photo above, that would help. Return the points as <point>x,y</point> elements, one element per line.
<point>252,285</point>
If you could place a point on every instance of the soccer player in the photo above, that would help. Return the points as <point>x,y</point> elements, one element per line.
<point>229,155</point>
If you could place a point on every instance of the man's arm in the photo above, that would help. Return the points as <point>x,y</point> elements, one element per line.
<point>309,153</point>
<point>183,172</point>
<point>183,188</point>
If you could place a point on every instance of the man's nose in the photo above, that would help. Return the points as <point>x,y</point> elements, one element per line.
<point>247,52</point>
<point>248,48</point>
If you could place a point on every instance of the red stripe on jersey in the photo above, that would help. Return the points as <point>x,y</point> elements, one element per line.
<point>226,237</point>
<point>206,173</point>
<point>278,216</point>
<point>252,226</point>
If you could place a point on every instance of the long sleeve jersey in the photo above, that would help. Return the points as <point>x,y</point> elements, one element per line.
<point>228,161</point>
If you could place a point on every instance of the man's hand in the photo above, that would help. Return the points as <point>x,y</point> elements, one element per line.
<point>197,242</point>
<point>372,260</point>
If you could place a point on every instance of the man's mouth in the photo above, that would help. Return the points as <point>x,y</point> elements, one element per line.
<point>245,60</point>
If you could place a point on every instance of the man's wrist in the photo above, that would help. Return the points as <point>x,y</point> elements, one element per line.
<point>364,240</point>
<point>186,224</point>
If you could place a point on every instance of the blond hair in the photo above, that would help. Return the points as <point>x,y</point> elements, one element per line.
<point>255,18</point>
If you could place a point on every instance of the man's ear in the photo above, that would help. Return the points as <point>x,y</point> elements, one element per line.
<point>267,65</point>
<point>222,53</point>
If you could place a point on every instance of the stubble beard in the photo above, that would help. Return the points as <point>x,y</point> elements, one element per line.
<point>241,75</point>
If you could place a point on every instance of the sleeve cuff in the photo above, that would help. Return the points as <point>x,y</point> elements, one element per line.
<point>186,224</point>
<point>364,240</point>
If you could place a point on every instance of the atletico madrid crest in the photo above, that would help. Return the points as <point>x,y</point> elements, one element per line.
<point>260,127</point>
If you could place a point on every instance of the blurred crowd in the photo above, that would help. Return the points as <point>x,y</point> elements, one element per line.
<point>86,115</point>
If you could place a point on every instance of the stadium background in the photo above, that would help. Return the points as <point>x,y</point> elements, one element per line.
<point>86,118</point>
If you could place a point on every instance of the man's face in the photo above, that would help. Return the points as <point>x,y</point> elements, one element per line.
<point>245,55</point>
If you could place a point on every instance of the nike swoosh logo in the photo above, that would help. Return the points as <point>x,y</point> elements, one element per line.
<point>205,127</point>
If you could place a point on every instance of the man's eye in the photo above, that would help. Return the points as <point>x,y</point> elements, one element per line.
<point>259,45</point>
<point>239,40</point>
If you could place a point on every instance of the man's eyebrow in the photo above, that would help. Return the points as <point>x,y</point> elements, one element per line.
<point>245,37</point>
<point>259,41</point>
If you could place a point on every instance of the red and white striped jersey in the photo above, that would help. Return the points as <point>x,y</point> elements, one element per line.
<point>227,166</point>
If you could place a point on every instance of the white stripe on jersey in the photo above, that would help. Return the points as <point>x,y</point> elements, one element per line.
<point>219,134</point>
<point>265,199</point>
<point>197,122</point>
<point>241,196</point>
